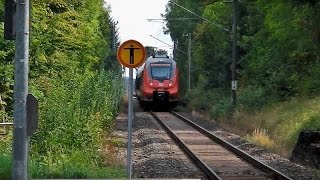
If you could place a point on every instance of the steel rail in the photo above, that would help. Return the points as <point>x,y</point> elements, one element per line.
<point>245,156</point>
<point>208,171</point>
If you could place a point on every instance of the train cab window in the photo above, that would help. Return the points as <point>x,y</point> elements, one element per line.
<point>160,71</point>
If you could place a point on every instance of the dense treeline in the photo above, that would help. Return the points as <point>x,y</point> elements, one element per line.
<point>74,75</point>
<point>278,66</point>
<point>279,48</point>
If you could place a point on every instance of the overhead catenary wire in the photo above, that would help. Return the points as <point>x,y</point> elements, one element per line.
<point>215,24</point>
<point>178,19</point>
<point>168,44</point>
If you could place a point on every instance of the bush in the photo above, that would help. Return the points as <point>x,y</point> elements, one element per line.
<point>216,102</point>
<point>310,85</point>
<point>73,119</point>
<point>197,99</point>
<point>253,98</point>
<point>221,108</point>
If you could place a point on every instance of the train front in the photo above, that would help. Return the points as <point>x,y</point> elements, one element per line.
<point>162,84</point>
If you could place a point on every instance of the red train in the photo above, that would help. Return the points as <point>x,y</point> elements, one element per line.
<point>157,82</point>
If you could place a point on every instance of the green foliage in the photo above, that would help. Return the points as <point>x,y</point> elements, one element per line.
<point>215,102</point>
<point>5,169</point>
<point>78,99</point>
<point>221,109</point>
<point>79,164</point>
<point>212,45</point>
<point>178,30</point>
<point>5,157</point>
<point>197,99</point>
<point>69,38</point>
<point>6,75</point>
<point>2,9</point>
<point>253,98</point>
<point>279,55</point>
<point>310,84</point>
<point>284,51</point>
<point>73,120</point>
<point>300,115</point>
<point>278,45</point>
<point>283,121</point>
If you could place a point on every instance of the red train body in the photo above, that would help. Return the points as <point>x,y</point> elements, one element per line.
<point>157,81</point>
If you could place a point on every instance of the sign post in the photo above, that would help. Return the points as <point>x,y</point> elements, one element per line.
<point>20,92</point>
<point>130,54</point>
<point>234,53</point>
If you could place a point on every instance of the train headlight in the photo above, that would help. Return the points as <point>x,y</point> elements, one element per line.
<point>150,83</point>
<point>170,83</point>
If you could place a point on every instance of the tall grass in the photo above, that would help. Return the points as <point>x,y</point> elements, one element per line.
<point>262,138</point>
<point>73,122</point>
<point>74,117</point>
<point>5,162</point>
<point>5,151</point>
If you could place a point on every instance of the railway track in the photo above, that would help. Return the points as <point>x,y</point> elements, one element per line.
<point>217,158</point>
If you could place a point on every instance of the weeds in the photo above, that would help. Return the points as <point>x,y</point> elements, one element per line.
<point>261,137</point>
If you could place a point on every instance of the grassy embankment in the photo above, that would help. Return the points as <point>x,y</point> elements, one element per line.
<point>275,127</point>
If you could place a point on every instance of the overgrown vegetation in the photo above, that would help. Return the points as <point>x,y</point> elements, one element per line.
<point>77,80</point>
<point>281,122</point>
<point>74,124</point>
<point>279,56</point>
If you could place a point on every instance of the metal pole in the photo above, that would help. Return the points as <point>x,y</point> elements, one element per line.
<point>20,139</point>
<point>129,154</point>
<point>234,53</point>
<point>114,35</point>
<point>189,60</point>
<point>174,50</point>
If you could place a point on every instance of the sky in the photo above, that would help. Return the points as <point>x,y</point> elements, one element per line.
<point>132,20</point>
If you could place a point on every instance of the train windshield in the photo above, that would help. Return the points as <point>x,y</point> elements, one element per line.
<point>161,71</point>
